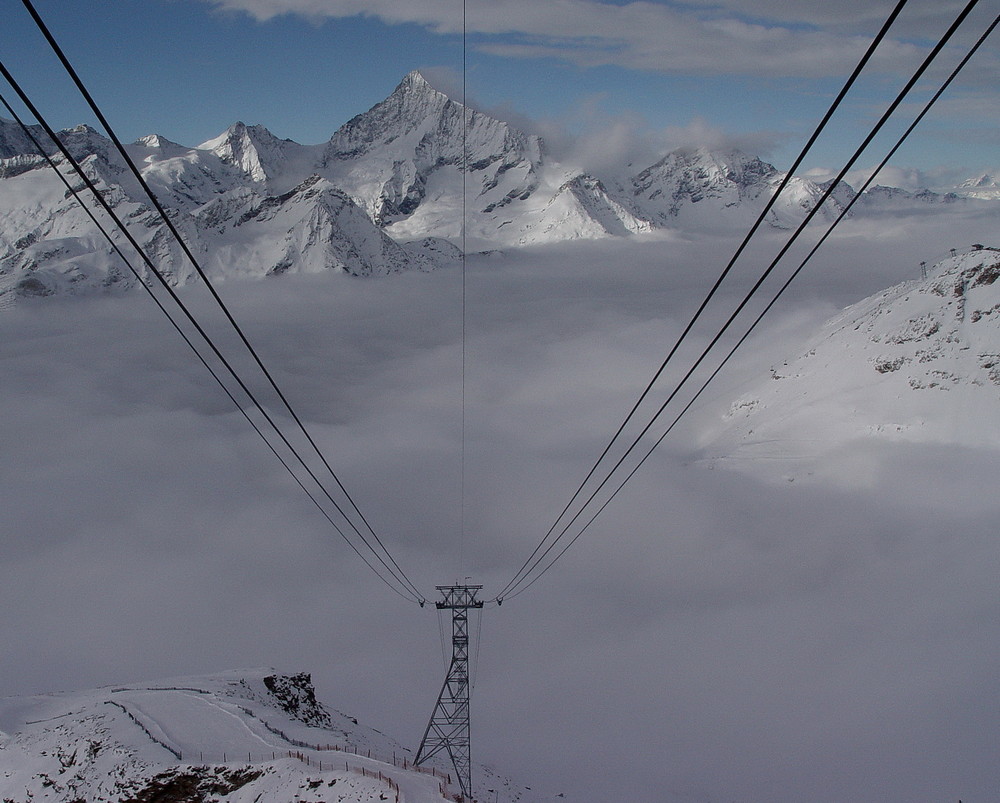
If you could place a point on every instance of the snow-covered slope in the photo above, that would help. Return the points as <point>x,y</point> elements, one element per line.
<point>919,362</point>
<point>238,736</point>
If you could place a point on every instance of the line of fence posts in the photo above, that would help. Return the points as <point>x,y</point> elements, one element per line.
<point>406,765</point>
<point>401,762</point>
<point>458,797</point>
<point>144,729</point>
<point>353,749</point>
<point>363,771</point>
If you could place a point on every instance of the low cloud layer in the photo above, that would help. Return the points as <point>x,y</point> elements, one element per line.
<point>711,637</point>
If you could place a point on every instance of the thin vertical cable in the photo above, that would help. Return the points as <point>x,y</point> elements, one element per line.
<point>465,173</point>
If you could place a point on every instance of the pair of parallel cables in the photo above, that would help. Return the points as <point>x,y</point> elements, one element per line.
<point>364,541</point>
<point>553,544</point>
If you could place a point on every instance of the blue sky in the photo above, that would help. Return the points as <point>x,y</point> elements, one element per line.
<point>606,79</point>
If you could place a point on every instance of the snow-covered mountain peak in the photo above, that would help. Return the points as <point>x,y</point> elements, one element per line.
<point>417,165</point>
<point>415,91</point>
<point>159,142</point>
<point>414,81</point>
<point>716,165</point>
<point>419,140</point>
<point>706,185</point>
<point>691,175</point>
<point>253,149</point>
<point>984,187</point>
<point>985,180</point>
<point>413,104</point>
<point>83,141</point>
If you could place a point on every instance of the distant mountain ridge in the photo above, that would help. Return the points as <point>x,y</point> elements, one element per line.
<point>986,186</point>
<point>384,194</point>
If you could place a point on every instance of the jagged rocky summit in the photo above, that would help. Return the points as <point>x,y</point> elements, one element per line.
<point>918,363</point>
<point>383,195</point>
<point>241,736</point>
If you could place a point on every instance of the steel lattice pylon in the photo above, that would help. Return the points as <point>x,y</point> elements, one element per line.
<point>448,729</point>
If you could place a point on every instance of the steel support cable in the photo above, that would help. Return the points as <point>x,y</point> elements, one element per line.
<point>722,276</point>
<point>417,597</point>
<point>465,219</point>
<point>777,295</point>
<point>474,671</point>
<point>107,235</point>
<point>520,585</point>
<point>201,273</point>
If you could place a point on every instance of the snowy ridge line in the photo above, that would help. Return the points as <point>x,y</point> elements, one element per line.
<point>351,749</point>
<point>160,688</point>
<point>445,778</point>
<point>210,745</point>
<point>160,742</point>
<point>951,253</point>
<point>49,719</point>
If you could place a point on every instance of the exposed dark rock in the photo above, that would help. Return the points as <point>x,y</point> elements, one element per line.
<point>296,695</point>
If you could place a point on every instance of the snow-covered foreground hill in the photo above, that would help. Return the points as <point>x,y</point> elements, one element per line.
<point>918,362</point>
<point>242,737</point>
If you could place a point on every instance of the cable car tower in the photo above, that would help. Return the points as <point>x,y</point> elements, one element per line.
<point>448,729</point>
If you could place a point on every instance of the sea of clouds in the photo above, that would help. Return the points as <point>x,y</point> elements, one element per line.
<point>713,636</point>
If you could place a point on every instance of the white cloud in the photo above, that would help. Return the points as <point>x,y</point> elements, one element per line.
<point>776,40</point>
<point>939,179</point>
